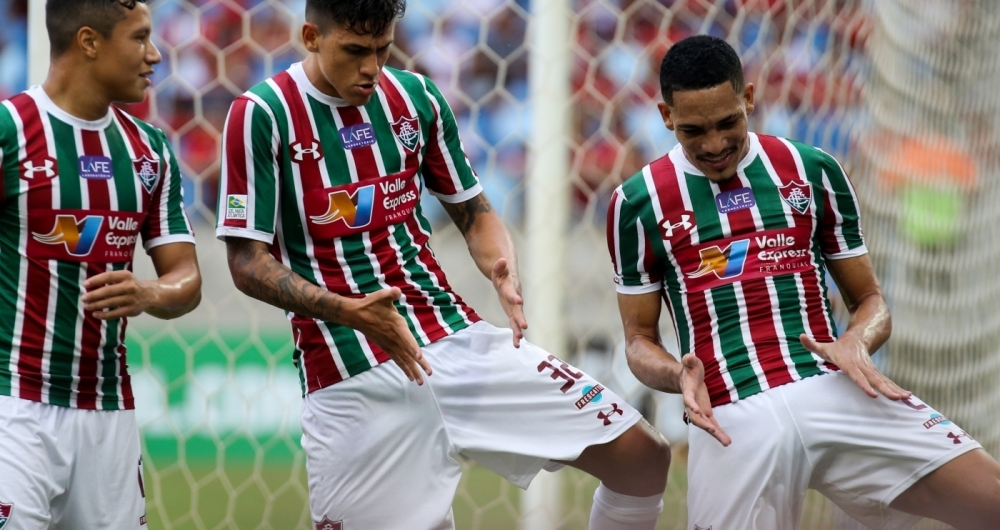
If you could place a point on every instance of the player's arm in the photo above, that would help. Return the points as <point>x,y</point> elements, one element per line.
<point>656,368</point>
<point>868,329</point>
<point>493,251</point>
<point>175,291</point>
<point>257,274</point>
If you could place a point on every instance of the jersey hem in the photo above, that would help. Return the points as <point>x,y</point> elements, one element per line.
<point>759,392</point>
<point>639,289</point>
<point>222,232</point>
<point>461,196</point>
<point>852,253</point>
<point>166,240</point>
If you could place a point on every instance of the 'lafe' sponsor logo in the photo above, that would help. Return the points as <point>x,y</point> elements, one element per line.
<point>85,236</point>
<point>95,167</point>
<point>362,206</point>
<point>357,136</point>
<point>736,200</point>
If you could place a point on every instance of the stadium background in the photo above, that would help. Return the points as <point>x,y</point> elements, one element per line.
<point>905,97</point>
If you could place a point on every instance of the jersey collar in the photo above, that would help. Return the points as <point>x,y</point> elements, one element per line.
<point>680,159</point>
<point>299,76</point>
<point>46,104</point>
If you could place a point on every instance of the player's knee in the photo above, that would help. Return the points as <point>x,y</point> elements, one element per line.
<point>652,453</point>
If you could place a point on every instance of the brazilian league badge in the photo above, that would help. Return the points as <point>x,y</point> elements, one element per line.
<point>327,524</point>
<point>796,195</point>
<point>5,510</point>
<point>407,131</point>
<point>148,171</point>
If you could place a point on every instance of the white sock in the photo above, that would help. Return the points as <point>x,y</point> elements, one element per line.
<point>614,511</point>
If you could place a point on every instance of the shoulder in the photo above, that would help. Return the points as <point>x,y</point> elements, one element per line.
<point>812,155</point>
<point>154,135</point>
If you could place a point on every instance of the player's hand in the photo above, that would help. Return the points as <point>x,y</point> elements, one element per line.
<point>377,318</point>
<point>117,294</point>
<point>853,358</point>
<point>697,404</point>
<point>509,289</point>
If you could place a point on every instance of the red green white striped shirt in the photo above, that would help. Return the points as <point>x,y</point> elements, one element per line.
<point>741,264</point>
<point>75,197</point>
<point>335,191</point>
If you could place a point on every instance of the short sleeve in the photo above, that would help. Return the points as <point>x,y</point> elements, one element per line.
<point>167,221</point>
<point>248,185</point>
<point>636,270</point>
<point>840,230</point>
<point>446,169</point>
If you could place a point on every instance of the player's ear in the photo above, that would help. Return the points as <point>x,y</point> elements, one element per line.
<point>88,39</point>
<point>311,35</point>
<point>666,114</point>
<point>748,95</point>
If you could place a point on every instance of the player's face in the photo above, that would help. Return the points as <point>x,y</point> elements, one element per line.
<point>711,126</point>
<point>124,62</point>
<point>350,63</point>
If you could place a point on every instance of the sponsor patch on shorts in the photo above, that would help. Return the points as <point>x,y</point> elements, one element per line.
<point>236,207</point>
<point>590,393</point>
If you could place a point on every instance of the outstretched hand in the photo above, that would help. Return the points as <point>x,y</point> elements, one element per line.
<point>509,290</point>
<point>853,358</point>
<point>378,319</point>
<point>697,404</point>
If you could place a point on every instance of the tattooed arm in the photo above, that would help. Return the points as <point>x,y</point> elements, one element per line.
<point>257,274</point>
<point>492,250</point>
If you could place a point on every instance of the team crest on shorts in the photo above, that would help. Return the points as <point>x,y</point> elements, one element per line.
<point>5,510</point>
<point>327,524</point>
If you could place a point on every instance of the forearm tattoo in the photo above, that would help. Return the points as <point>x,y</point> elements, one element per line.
<point>264,278</point>
<point>464,214</point>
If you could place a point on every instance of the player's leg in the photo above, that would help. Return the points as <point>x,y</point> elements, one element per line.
<point>377,454</point>
<point>964,493</point>
<point>515,410</point>
<point>867,452</point>
<point>30,465</point>
<point>106,488</point>
<point>760,480</point>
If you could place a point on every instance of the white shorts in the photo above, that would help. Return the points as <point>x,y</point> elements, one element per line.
<point>824,433</point>
<point>69,469</point>
<point>382,451</point>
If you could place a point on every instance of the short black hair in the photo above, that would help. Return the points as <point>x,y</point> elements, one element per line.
<point>65,18</point>
<point>699,62</point>
<point>364,17</point>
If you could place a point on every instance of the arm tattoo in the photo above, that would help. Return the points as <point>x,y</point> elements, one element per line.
<point>260,276</point>
<point>465,214</point>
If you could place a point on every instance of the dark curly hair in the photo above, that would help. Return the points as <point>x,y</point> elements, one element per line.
<point>65,18</point>
<point>364,17</point>
<point>699,62</point>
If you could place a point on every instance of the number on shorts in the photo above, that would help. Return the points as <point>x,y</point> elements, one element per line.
<point>561,372</point>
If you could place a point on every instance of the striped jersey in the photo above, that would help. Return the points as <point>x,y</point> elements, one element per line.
<point>741,263</point>
<point>75,197</point>
<point>335,191</point>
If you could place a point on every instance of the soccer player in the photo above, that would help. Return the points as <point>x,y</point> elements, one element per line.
<point>324,168</point>
<point>736,231</point>
<point>81,182</point>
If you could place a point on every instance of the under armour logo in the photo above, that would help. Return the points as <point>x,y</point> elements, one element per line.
<point>668,227</point>
<point>957,438</point>
<point>31,169</point>
<point>301,153</point>
<point>607,417</point>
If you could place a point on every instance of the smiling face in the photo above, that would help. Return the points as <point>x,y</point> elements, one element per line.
<point>346,64</point>
<point>711,126</point>
<point>123,62</point>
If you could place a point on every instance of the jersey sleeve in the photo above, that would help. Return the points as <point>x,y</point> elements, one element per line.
<point>635,267</point>
<point>167,221</point>
<point>840,231</point>
<point>446,169</point>
<point>248,185</point>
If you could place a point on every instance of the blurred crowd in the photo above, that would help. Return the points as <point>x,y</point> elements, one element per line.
<point>805,57</point>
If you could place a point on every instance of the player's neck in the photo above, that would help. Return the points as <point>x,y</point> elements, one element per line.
<point>315,75</point>
<point>74,93</point>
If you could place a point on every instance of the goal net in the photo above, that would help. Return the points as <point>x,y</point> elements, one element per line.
<point>904,95</point>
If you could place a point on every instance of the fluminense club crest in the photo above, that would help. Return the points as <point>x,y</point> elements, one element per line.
<point>5,510</point>
<point>407,132</point>
<point>327,524</point>
<point>797,195</point>
<point>148,171</point>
